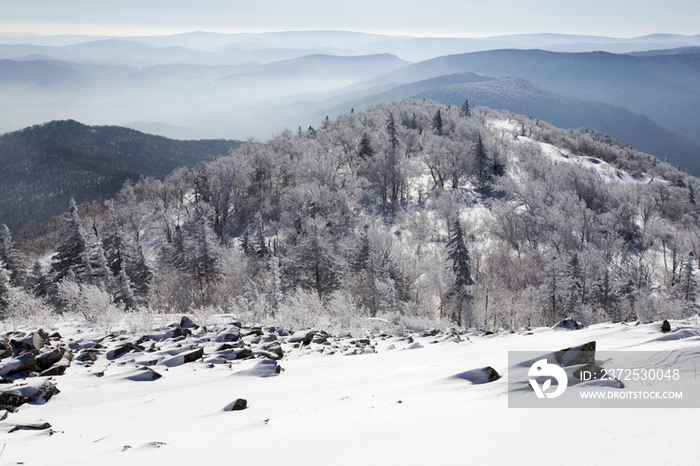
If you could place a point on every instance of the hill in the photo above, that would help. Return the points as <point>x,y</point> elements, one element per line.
<point>665,88</point>
<point>44,166</point>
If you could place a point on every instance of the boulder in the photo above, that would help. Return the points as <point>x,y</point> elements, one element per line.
<point>186,322</point>
<point>479,376</point>
<point>32,342</point>
<point>44,393</point>
<point>567,324</point>
<point>12,400</point>
<point>302,336</point>
<point>125,348</point>
<point>54,371</point>
<point>24,363</point>
<point>665,326</point>
<point>47,360</point>
<point>239,405</point>
<point>194,355</point>
<point>6,350</point>
<point>583,354</point>
<point>232,333</point>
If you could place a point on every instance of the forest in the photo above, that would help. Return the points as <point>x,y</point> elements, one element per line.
<point>405,213</point>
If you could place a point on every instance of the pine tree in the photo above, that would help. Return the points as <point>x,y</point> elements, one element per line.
<point>139,274</point>
<point>459,255</point>
<point>71,251</point>
<point>112,242</point>
<point>4,289</point>
<point>13,260</point>
<point>464,110</point>
<point>124,293</point>
<point>201,261</point>
<point>37,282</point>
<point>460,295</point>
<point>481,164</point>
<point>437,122</point>
<point>365,151</point>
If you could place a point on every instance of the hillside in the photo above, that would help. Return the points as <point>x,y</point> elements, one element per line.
<point>411,209</point>
<point>47,165</point>
<point>665,88</point>
<point>523,97</point>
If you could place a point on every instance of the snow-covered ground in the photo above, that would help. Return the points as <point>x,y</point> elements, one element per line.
<point>394,399</point>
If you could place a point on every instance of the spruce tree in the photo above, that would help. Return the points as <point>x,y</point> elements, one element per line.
<point>71,251</point>
<point>437,122</point>
<point>459,293</point>
<point>12,258</point>
<point>464,110</point>
<point>365,151</point>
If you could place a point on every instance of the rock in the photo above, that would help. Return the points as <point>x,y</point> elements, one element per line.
<point>302,336</point>
<point>6,350</point>
<point>230,334</point>
<point>181,332</point>
<point>54,371</point>
<point>491,373</point>
<point>275,349</point>
<point>567,324</point>
<point>45,392</point>
<point>186,322</point>
<point>33,341</point>
<point>238,405</point>
<point>13,400</point>
<point>479,376</point>
<point>194,355</point>
<point>584,354</point>
<point>89,355</point>
<point>3,414</point>
<point>55,336</point>
<point>25,363</point>
<point>47,360</point>
<point>665,326</point>
<point>43,426</point>
<point>144,374</point>
<point>125,348</point>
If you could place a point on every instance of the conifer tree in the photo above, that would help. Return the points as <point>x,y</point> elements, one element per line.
<point>71,251</point>
<point>13,260</point>
<point>365,151</point>
<point>464,110</point>
<point>460,295</point>
<point>437,122</point>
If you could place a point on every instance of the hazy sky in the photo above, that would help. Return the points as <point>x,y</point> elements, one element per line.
<point>618,18</point>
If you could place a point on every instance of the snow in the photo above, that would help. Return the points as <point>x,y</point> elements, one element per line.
<point>406,399</point>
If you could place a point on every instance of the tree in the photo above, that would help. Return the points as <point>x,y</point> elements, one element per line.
<point>464,110</point>
<point>13,260</point>
<point>71,251</point>
<point>481,165</point>
<point>437,123</point>
<point>365,151</point>
<point>458,253</point>
<point>391,131</point>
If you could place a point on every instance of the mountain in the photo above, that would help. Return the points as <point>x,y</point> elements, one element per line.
<point>521,96</point>
<point>46,165</point>
<point>665,88</point>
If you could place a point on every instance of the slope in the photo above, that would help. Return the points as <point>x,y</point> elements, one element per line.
<point>665,88</point>
<point>45,165</point>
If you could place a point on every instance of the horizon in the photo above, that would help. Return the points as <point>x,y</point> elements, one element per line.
<point>617,18</point>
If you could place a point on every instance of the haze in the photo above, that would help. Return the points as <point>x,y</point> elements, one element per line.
<point>439,18</point>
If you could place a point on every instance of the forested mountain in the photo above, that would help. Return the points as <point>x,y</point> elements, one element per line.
<point>665,88</point>
<point>44,166</point>
<point>411,209</point>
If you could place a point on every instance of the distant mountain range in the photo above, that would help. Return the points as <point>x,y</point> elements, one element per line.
<point>45,165</point>
<point>235,86</point>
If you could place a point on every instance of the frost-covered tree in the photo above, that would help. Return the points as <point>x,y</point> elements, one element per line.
<point>71,252</point>
<point>464,110</point>
<point>458,253</point>
<point>12,258</point>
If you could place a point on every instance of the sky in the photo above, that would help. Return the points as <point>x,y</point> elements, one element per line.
<point>434,18</point>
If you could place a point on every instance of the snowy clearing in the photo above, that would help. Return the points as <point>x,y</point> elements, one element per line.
<point>370,399</point>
